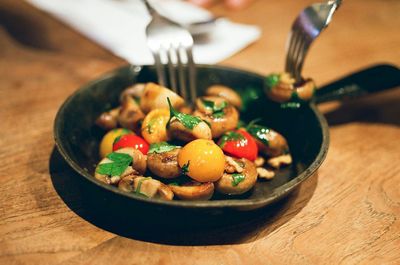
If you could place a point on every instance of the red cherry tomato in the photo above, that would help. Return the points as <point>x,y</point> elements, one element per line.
<point>130,140</point>
<point>240,144</point>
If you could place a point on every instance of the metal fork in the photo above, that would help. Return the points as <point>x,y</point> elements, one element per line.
<point>305,29</point>
<point>171,46</point>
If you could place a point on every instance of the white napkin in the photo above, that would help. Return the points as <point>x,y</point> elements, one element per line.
<point>119,25</point>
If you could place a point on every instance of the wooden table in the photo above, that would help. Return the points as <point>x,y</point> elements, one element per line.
<point>348,213</point>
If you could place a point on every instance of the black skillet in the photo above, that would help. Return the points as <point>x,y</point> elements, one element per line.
<point>305,128</point>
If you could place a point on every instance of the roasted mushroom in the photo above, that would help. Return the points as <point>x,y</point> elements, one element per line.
<point>108,120</point>
<point>221,115</point>
<point>130,115</point>
<point>269,142</point>
<point>238,182</point>
<point>155,97</point>
<point>162,160</point>
<point>193,190</point>
<point>135,91</point>
<point>177,130</point>
<point>186,127</point>
<point>226,93</point>
<point>115,166</point>
<point>150,188</point>
<point>154,126</point>
<point>282,88</point>
<point>139,160</point>
<point>127,183</point>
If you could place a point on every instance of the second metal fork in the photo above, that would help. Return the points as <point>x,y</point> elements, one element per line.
<point>307,27</point>
<point>171,46</point>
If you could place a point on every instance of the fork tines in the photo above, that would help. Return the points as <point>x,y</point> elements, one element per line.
<point>175,70</point>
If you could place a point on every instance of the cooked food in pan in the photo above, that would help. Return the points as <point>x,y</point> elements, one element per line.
<point>159,147</point>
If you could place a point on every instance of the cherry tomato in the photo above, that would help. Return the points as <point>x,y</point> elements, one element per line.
<point>130,140</point>
<point>202,160</point>
<point>106,144</point>
<point>240,144</point>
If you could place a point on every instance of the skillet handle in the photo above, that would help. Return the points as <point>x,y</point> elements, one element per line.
<point>370,80</point>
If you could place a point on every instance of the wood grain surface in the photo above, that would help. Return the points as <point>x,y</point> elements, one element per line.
<point>348,213</point>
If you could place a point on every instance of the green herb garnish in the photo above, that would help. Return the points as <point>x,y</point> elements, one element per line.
<point>272,80</point>
<point>139,186</point>
<point>230,136</point>
<point>117,139</point>
<point>185,168</point>
<point>237,178</point>
<point>161,147</point>
<point>187,120</point>
<point>253,122</point>
<point>117,166</point>
<point>124,131</point>
<point>217,111</point>
<point>249,95</point>
<point>174,184</point>
<point>259,132</point>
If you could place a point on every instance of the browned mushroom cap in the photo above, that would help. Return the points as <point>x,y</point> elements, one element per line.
<point>164,165</point>
<point>139,160</point>
<point>286,89</point>
<point>282,91</point>
<point>220,121</point>
<point>277,144</point>
<point>134,91</point>
<point>127,183</point>
<point>305,91</point>
<point>152,188</point>
<point>238,183</point>
<point>269,142</point>
<point>193,191</point>
<point>137,167</point>
<point>176,130</point>
<point>225,92</point>
<point>113,180</point>
<point>155,96</point>
<point>108,120</point>
<point>130,114</point>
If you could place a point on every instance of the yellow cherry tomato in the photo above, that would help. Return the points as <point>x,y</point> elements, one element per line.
<point>202,160</point>
<point>106,144</point>
<point>154,126</point>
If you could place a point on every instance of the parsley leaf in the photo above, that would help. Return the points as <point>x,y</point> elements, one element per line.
<point>161,147</point>
<point>185,168</point>
<point>117,166</point>
<point>217,111</point>
<point>187,120</point>
<point>230,136</point>
<point>249,95</point>
<point>237,178</point>
<point>123,132</point>
<point>272,80</point>
<point>259,132</point>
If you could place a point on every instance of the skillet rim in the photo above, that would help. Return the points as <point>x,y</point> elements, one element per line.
<point>277,193</point>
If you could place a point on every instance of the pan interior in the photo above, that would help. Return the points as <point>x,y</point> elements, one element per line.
<point>78,137</point>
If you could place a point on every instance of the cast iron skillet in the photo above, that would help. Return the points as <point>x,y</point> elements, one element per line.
<point>77,137</point>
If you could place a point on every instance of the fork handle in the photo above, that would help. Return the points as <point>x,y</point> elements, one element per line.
<point>370,80</point>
